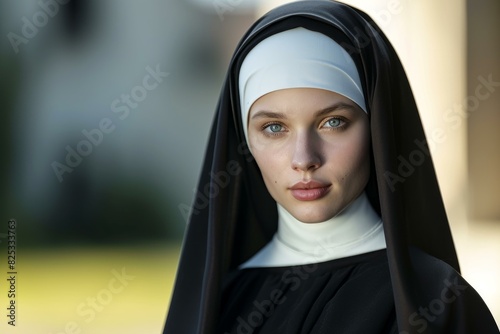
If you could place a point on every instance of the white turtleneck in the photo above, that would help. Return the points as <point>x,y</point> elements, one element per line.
<point>356,230</point>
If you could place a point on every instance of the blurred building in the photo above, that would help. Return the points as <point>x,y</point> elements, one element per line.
<point>70,67</point>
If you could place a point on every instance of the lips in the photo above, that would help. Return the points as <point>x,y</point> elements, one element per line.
<point>309,191</point>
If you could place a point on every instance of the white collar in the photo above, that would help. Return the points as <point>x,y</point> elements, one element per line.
<point>356,230</point>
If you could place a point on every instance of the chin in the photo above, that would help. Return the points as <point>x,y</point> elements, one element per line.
<point>313,216</point>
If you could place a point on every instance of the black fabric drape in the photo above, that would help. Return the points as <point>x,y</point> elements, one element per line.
<point>234,216</point>
<point>308,299</point>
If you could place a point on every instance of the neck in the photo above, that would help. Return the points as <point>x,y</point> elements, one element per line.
<point>356,230</point>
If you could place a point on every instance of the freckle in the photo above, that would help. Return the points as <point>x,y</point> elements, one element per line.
<point>275,181</point>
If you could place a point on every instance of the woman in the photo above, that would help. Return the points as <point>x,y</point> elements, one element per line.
<point>308,228</point>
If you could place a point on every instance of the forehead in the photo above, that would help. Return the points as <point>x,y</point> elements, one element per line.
<point>303,101</point>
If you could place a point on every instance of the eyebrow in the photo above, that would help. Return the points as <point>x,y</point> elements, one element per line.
<point>321,112</point>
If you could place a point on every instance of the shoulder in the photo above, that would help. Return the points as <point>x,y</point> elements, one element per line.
<point>447,301</point>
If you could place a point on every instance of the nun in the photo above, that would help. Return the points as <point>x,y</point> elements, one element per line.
<point>308,228</point>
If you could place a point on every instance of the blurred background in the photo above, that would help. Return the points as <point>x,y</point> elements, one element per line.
<point>107,107</point>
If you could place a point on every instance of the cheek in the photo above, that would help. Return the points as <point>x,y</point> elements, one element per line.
<point>360,160</point>
<point>351,161</point>
<point>269,156</point>
<point>273,168</point>
<point>361,153</point>
<point>268,166</point>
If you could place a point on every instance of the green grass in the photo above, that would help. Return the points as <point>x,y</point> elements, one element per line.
<point>56,289</point>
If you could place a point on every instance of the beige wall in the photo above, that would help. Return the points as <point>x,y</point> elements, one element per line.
<point>483,123</point>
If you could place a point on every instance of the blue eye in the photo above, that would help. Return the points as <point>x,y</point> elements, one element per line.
<point>275,128</point>
<point>334,122</point>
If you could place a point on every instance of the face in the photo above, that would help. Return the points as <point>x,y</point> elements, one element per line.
<point>312,148</point>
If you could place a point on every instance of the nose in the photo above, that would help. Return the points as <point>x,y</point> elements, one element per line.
<point>306,152</point>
